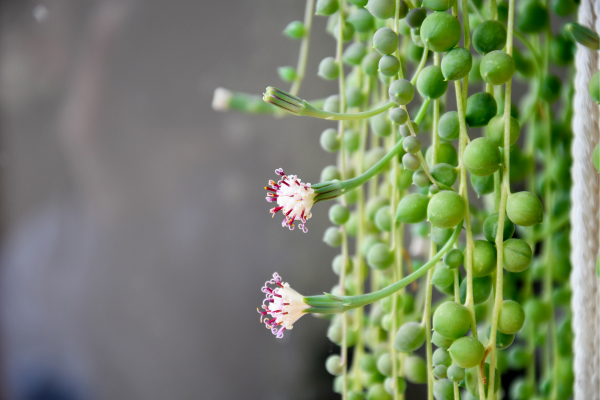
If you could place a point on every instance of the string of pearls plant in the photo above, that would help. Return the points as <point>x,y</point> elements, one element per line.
<point>481,215</point>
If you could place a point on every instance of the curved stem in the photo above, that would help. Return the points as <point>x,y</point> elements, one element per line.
<point>295,105</point>
<point>303,57</point>
<point>550,227</point>
<point>498,300</point>
<point>396,25</point>
<point>420,67</point>
<point>331,189</point>
<point>396,246</point>
<point>536,59</point>
<point>428,285</point>
<point>461,100</point>
<point>342,281</point>
<point>360,235</point>
<point>422,111</point>
<point>427,322</point>
<point>352,116</point>
<point>363,300</point>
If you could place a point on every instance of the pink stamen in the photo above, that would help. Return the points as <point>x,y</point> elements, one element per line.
<point>280,333</point>
<point>276,209</point>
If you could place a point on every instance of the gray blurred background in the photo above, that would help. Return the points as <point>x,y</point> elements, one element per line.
<point>135,234</point>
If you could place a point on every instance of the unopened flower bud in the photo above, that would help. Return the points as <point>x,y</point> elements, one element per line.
<point>583,35</point>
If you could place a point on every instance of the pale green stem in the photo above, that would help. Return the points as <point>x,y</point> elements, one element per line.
<point>373,142</point>
<point>493,10</point>
<point>342,89</point>
<point>396,246</point>
<point>396,24</point>
<point>368,298</point>
<point>466,22</point>
<point>461,100</point>
<point>400,275</point>
<point>497,189</point>
<point>303,57</point>
<point>493,16</point>
<point>427,322</point>
<point>463,139</point>
<point>477,10</point>
<point>344,347</point>
<point>427,311</point>
<point>502,211</point>
<point>360,235</point>
<point>536,58</point>
<point>420,67</point>
<point>331,189</point>
<point>456,286</point>
<point>467,43</point>
<point>297,106</point>
<point>549,227</point>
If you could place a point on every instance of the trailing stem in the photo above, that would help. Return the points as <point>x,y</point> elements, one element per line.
<point>502,210</point>
<point>342,89</point>
<point>303,57</point>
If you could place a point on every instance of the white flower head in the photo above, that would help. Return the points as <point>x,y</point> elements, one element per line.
<point>294,199</point>
<point>283,303</point>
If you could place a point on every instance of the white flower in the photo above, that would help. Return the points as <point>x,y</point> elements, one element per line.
<point>294,199</point>
<point>283,303</point>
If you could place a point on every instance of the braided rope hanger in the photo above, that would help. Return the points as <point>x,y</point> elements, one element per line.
<point>585,218</point>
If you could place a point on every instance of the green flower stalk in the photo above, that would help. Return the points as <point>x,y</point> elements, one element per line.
<point>227,100</point>
<point>297,106</point>
<point>286,306</point>
<point>295,198</point>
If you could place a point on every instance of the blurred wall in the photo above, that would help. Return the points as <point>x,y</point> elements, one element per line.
<point>135,232</point>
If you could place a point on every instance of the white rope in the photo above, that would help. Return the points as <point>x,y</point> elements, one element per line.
<point>585,197</point>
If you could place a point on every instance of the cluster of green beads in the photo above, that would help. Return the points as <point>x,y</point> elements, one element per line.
<point>457,167</point>
<point>526,322</point>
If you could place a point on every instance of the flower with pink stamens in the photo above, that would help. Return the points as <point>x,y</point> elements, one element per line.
<point>294,199</point>
<point>283,304</point>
